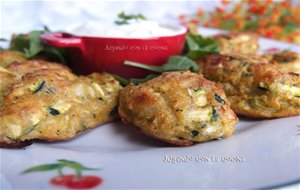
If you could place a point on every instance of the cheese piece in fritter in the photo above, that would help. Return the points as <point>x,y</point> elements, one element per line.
<point>237,43</point>
<point>287,61</point>
<point>181,108</point>
<point>255,87</point>
<point>54,104</point>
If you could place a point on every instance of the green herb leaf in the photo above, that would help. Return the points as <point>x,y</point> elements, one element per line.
<point>197,46</point>
<point>19,43</point>
<point>179,63</point>
<point>35,44</point>
<point>122,81</point>
<point>148,77</point>
<point>45,167</point>
<point>144,66</point>
<point>32,46</point>
<point>124,18</point>
<point>175,63</point>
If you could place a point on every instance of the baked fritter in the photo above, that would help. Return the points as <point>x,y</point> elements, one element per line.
<point>255,87</point>
<point>46,101</point>
<point>237,43</point>
<point>287,61</point>
<point>180,108</point>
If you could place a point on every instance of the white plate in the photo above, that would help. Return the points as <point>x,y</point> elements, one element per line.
<point>261,154</point>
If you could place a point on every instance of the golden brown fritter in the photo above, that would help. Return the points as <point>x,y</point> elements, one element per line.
<point>287,61</point>
<point>43,100</point>
<point>255,87</point>
<point>237,43</point>
<point>55,105</point>
<point>181,108</point>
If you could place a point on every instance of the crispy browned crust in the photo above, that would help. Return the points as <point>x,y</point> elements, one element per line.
<point>183,142</point>
<point>255,87</point>
<point>14,144</point>
<point>165,108</point>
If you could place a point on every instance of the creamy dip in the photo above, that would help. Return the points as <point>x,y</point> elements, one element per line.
<point>135,29</point>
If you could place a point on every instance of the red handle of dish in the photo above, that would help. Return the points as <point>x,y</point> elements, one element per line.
<point>61,40</point>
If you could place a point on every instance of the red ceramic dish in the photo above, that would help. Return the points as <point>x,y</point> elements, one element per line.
<point>94,54</point>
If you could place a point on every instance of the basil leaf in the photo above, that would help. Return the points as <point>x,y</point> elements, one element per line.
<point>179,63</point>
<point>55,54</point>
<point>35,44</point>
<point>148,77</point>
<point>122,81</point>
<point>197,46</point>
<point>19,43</point>
<point>175,63</point>
<point>144,66</point>
<point>45,167</point>
<point>32,46</point>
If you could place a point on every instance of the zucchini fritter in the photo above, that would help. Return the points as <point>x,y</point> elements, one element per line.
<point>46,101</point>
<point>237,43</point>
<point>181,108</point>
<point>255,87</point>
<point>287,61</point>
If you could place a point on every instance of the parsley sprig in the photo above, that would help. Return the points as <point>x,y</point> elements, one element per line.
<point>123,18</point>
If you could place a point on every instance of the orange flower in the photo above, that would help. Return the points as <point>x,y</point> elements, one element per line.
<point>250,1</point>
<point>285,3</point>
<point>263,21</point>
<point>206,24</point>
<point>237,8</point>
<point>274,18</point>
<point>227,16</point>
<point>240,24</point>
<point>195,20</point>
<point>225,2</point>
<point>199,12</point>
<point>257,9</point>
<point>268,2</point>
<point>220,9</point>
<point>182,17</point>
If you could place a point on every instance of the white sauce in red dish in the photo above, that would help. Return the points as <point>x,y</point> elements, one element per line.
<point>135,29</point>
